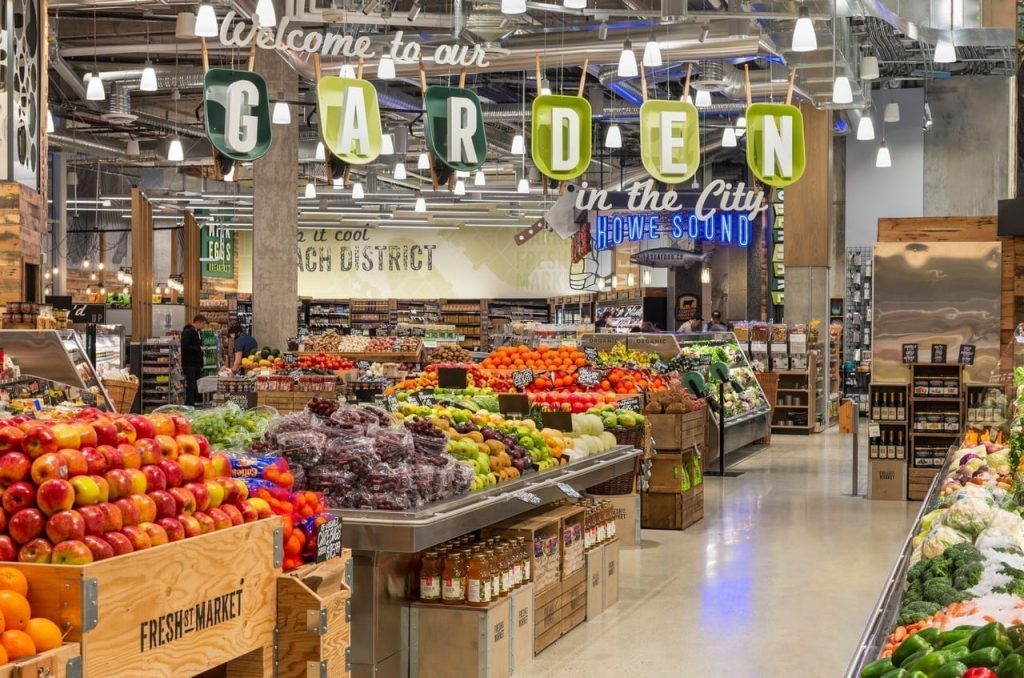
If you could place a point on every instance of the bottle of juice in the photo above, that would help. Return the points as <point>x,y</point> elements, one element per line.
<point>612,530</point>
<point>475,572</point>
<point>526,547</point>
<point>517,563</point>
<point>453,579</point>
<point>430,578</point>
<point>487,574</point>
<point>492,554</point>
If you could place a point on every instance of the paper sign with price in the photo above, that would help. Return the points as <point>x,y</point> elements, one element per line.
<point>522,378</point>
<point>967,352</point>
<point>588,377</point>
<point>591,354</point>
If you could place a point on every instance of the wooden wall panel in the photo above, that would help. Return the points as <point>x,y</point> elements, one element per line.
<point>809,201</point>
<point>142,266</point>
<point>192,276</point>
<point>22,226</point>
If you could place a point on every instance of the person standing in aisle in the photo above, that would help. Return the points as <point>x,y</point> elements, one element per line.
<point>603,320</point>
<point>243,346</point>
<point>192,357</point>
<point>716,324</point>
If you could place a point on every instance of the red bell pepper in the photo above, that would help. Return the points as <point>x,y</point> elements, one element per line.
<point>979,672</point>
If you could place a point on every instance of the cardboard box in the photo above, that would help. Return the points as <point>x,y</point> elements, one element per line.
<point>595,581</point>
<point>887,479</point>
<point>476,640</point>
<point>627,517</point>
<point>521,623</point>
<point>611,569</point>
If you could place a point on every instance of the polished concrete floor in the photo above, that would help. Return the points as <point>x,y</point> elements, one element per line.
<point>777,580</point>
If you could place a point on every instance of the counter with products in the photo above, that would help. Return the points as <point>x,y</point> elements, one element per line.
<point>51,367</point>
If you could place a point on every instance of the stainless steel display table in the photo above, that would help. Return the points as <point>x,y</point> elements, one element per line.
<point>383,544</point>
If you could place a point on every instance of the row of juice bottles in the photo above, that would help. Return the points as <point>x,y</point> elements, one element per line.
<point>472,571</point>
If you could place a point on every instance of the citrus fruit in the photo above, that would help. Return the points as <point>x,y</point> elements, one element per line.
<point>15,609</point>
<point>44,633</point>
<point>18,644</point>
<point>13,580</point>
<point>3,656</point>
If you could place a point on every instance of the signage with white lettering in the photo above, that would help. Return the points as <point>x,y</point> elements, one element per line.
<point>560,145</point>
<point>455,127</point>
<point>349,119</point>
<point>775,143</point>
<point>669,143</point>
<point>237,113</point>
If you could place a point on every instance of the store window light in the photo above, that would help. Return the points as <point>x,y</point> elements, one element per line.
<point>282,113</point>
<point>804,39</point>
<point>627,61</point>
<point>206,22</point>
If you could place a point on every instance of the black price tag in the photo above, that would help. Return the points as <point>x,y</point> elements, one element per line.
<point>426,397</point>
<point>513,403</point>
<point>295,374</point>
<point>560,421</point>
<point>938,353</point>
<point>588,377</point>
<point>246,401</point>
<point>389,403</point>
<point>452,377</point>
<point>88,314</point>
<point>591,354</point>
<point>967,354</point>
<point>290,359</point>
<point>909,354</point>
<point>363,364</point>
<point>659,367</point>
<point>522,378</point>
<point>631,403</point>
<point>328,541</point>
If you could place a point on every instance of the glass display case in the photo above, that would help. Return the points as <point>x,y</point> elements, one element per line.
<point>109,350</point>
<point>51,367</point>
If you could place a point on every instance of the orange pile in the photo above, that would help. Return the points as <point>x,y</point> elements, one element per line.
<point>563,359</point>
<point>22,635</point>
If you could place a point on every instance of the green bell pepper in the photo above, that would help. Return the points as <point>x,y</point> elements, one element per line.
<point>1016,635</point>
<point>908,647</point>
<point>931,634</point>
<point>896,673</point>
<point>933,661</point>
<point>917,674</point>
<point>950,670</point>
<point>986,656</point>
<point>991,635</point>
<point>947,638</point>
<point>1011,667</point>
<point>876,669</point>
<point>915,657</point>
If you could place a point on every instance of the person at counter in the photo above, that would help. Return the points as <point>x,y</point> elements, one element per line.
<point>691,325</point>
<point>716,324</point>
<point>603,320</point>
<point>243,346</point>
<point>192,357</point>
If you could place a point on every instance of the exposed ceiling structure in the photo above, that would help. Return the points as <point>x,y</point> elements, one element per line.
<point>127,134</point>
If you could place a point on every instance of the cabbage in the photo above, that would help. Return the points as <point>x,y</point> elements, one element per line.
<point>1009,522</point>
<point>928,518</point>
<point>970,514</point>
<point>941,538</point>
<point>1001,458</point>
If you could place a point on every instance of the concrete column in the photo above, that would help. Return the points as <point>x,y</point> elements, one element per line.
<point>274,274</point>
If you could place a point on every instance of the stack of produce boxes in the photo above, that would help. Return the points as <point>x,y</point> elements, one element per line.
<point>675,496</point>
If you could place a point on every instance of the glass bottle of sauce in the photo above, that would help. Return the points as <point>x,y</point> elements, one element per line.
<point>453,579</point>
<point>475,573</point>
<point>430,578</point>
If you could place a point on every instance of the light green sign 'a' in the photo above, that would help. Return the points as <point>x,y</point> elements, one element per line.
<point>237,112</point>
<point>775,143</point>
<point>560,145</point>
<point>349,119</point>
<point>669,142</point>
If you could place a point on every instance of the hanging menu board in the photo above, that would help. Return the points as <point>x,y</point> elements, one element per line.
<point>938,353</point>
<point>967,354</point>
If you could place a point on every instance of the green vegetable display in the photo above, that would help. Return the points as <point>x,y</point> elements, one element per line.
<point>935,583</point>
<point>231,428</point>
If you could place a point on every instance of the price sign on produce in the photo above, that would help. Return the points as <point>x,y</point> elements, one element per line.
<point>631,403</point>
<point>938,353</point>
<point>328,541</point>
<point>967,354</point>
<point>426,397</point>
<point>568,491</point>
<point>909,354</point>
<point>591,354</point>
<point>390,403</point>
<point>588,377</point>
<point>522,378</point>
<point>290,359</point>
<point>363,364</point>
<point>451,377</point>
<point>246,401</point>
<point>295,374</point>
<point>659,367</point>
<point>528,497</point>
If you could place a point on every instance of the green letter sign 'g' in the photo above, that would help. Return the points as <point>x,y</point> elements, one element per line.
<point>669,146</point>
<point>455,127</point>
<point>775,143</point>
<point>349,119</point>
<point>560,145</point>
<point>237,113</point>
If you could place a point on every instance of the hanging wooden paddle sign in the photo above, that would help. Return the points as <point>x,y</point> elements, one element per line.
<point>455,127</point>
<point>350,119</point>
<point>237,113</point>
<point>775,143</point>
<point>560,145</point>
<point>669,145</point>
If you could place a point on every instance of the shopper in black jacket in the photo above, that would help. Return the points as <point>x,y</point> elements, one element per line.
<point>192,357</point>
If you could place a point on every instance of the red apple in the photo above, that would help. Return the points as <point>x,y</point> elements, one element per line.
<point>129,511</point>
<point>86,435</point>
<point>64,525</point>
<point>172,527</point>
<point>221,520</point>
<point>235,490</point>
<point>19,496</point>
<point>95,460</point>
<point>26,525</point>
<point>89,414</point>
<point>202,495</point>
<point>233,513</point>
<point>71,552</point>
<point>182,426</point>
<point>165,504</point>
<point>262,508</point>
<point>120,543</point>
<point>77,465</point>
<point>55,495</point>
<point>36,551</point>
<point>67,436</point>
<point>149,451</point>
<point>221,464</point>
<point>157,534</point>
<point>168,446</point>
<point>93,518</point>
<point>120,483</point>
<point>191,468</point>
<point>101,548</point>
<point>112,520</point>
<point>209,472</point>
<point>163,425</point>
<point>39,440</point>
<point>206,522</point>
<point>146,506</point>
<point>187,445</point>
<point>3,520</point>
<point>8,549</point>
<point>138,478</point>
<point>49,466</point>
<point>111,456</point>
<point>12,439</point>
<point>143,426</point>
<point>106,433</point>
<point>130,456</point>
<point>103,486</point>
<point>14,466</point>
<point>137,536</point>
<point>155,478</point>
<point>216,491</point>
<point>87,492</point>
<point>126,433</point>
<point>204,444</point>
<point>172,472</point>
<point>190,524</point>
<point>184,500</point>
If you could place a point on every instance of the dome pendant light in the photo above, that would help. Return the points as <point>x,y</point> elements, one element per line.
<point>513,6</point>
<point>652,53</point>
<point>866,128</point>
<point>310,190</point>
<point>627,61</point>
<point>400,170</point>
<point>613,138</point>
<point>94,89</point>
<point>265,13</point>
<point>804,39</point>
<point>842,93</point>
<point>206,22</point>
<point>575,4</point>
<point>282,114</point>
<point>883,159</point>
<point>387,145</point>
<point>480,179</point>
<point>729,138</point>
<point>357,191</point>
<point>147,83</point>
<point>386,68</point>
<point>174,151</point>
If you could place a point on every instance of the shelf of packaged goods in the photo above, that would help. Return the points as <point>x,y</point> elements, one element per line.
<point>934,434</point>
<point>955,400</point>
<point>888,422</point>
<point>409,532</point>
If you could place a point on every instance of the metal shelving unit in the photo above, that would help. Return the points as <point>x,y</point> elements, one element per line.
<point>857,325</point>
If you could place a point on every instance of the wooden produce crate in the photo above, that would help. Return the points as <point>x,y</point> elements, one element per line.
<point>573,601</point>
<point>627,517</point>
<point>313,615</point>
<point>693,506</point>
<point>173,610</point>
<point>611,573</point>
<point>666,510</point>
<point>456,641</point>
<point>667,470</point>
<point>678,431</point>
<point>547,617</point>
<point>521,624</point>
<point>543,540</point>
<point>62,662</point>
<point>919,481</point>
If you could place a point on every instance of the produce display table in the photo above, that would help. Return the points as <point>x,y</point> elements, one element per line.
<point>383,545</point>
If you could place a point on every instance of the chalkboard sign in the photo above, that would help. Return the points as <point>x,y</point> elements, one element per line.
<point>88,314</point>
<point>967,354</point>
<point>631,403</point>
<point>938,353</point>
<point>522,378</point>
<point>328,541</point>
<point>289,359</point>
<point>363,364</point>
<point>389,403</point>
<point>909,354</point>
<point>426,397</point>
<point>560,421</point>
<point>591,354</point>
<point>513,403</point>
<point>295,375</point>
<point>246,401</point>
<point>588,377</point>
<point>451,377</point>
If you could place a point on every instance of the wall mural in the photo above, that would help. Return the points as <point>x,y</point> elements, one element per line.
<point>20,111</point>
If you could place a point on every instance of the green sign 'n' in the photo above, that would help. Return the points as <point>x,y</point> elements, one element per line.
<point>237,113</point>
<point>455,128</point>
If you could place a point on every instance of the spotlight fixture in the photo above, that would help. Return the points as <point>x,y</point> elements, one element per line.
<point>804,39</point>
<point>627,61</point>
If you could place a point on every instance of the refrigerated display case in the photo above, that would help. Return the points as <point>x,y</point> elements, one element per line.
<point>53,368</point>
<point>109,350</point>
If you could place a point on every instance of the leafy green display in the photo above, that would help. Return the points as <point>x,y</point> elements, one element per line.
<point>941,581</point>
<point>231,428</point>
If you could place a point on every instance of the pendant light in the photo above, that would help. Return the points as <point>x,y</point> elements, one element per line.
<point>513,6</point>
<point>729,138</point>
<point>282,114</point>
<point>357,191</point>
<point>480,179</point>
<point>866,128</point>
<point>265,13</point>
<point>869,68</point>
<point>400,170</point>
<point>88,291</point>
<point>100,266</point>
<point>56,270</point>
<point>804,39</point>
<point>842,93</point>
<point>602,30</point>
<point>741,126</point>
<point>945,52</point>
<point>630,280</point>
<point>423,162</point>
<point>627,61</point>
<point>524,186</point>
<point>132,148</point>
<point>338,182</point>
<point>575,4</point>
<point>103,290</point>
<point>460,187</point>
<point>185,26</point>
<point>174,151</point>
<point>147,83</point>
<point>883,159</point>
<point>421,203</point>
<point>347,71</point>
<point>705,275</point>
<point>613,138</point>
<point>652,53</point>
<point>600,284</point>
<point>94,88</point>
<point>703,98</point>
<point>387,144</point>
<point>518,145</point>
<point>206,22</point>
<point>386,68</point>
<point>230,176</point>
<point>892,112</point>
<point>310,190</point>
<point>85,263</point>
<point>320,153</point>
<point>49,122</point>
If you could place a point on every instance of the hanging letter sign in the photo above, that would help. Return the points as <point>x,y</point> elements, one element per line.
<point>237,113</point>
<point>669,147</point>
<point>775,143</point>
<point>349,119</point>
<point>455,128</point>
<point>560,145</point>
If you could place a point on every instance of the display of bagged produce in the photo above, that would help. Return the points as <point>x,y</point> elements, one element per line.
<point>304,449</point>
<point>354,454</point>
<point>384,418</point>
<point>427,438</point>
<point>393,445</point>
<point>228,427</point>
<point>352,421</point>
<point>341,488</point>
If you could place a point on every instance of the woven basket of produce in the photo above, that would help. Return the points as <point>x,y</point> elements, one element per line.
<point>122,393</point>
<point>632,436</point>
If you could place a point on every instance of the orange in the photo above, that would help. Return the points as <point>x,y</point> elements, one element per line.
<point>44,633</point>
<point>13,580</point>
<point>15,609</point>
<point>18,644</point>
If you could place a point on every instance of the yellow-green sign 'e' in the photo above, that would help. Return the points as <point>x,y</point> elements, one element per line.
<point>560,145</point>
<point>669,141</point>
<point>775,143</point>
<point>349,119</point>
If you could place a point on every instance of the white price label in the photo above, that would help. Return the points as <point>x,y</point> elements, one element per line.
<point>528,497</point>
<point>874,430</point>
<point>568,491</point>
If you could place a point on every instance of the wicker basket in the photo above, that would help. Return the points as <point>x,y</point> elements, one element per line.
<point>122,393</point>
<point>769,382</point>
<point>635,436</point>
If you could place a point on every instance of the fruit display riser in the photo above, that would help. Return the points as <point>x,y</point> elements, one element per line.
<point>62,662</point>
<point>313,621</point>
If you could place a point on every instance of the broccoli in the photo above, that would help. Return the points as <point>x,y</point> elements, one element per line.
<point>961,554</point>
<point>940,590</point>
<point>916,611</point>
<point>918,572</point>
<point>913,594</point>
<point>968,575</point>
<point>939,567</point>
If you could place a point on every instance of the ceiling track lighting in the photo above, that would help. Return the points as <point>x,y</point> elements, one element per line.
<point>804,39</point>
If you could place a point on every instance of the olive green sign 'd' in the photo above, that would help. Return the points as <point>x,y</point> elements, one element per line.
<point>455,129</point>
<point>237,113</point>
<point>669,142</point>
<point>560,145</point>
<point>349,119</point>
<point>775,143</point>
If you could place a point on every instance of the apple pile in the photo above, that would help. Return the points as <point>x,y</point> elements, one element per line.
<point>100,485</point>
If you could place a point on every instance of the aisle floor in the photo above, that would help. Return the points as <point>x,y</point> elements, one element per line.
<point>777,580</point>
